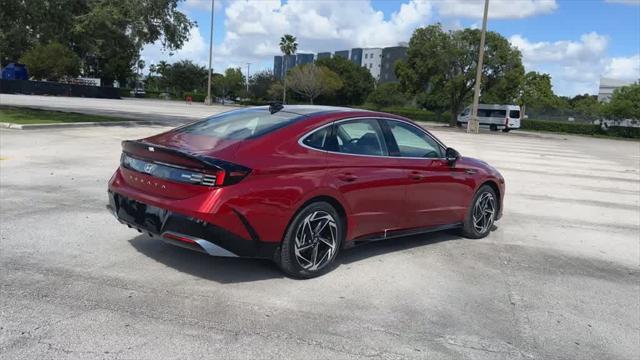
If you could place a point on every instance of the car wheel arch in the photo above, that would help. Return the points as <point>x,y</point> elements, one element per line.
<point>496,189</point>
<point>340,208</point>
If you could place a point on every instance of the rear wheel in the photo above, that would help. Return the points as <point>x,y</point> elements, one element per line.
<point>481,214</point>
<point>493,127</point>
<point>312,241</point>
<point>506,129</point>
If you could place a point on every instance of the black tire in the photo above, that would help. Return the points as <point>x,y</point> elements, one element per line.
<point>294,265</point>
<point>469,229</point>
<point>493,127</point>
<point>506,130</point>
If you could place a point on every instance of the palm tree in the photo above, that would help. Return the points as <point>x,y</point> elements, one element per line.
<point>288,46</point>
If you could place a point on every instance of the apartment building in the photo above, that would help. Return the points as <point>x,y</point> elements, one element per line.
<point>379,61</point>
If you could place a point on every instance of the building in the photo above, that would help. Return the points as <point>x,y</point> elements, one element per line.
<point>304,59</point>
<point>379,61</point>
<point>607,86</point>
<point>389,57</point>
<point>290,62</point>
<point>372,61</point>
<point>342,53</point>
<point>356,56</point>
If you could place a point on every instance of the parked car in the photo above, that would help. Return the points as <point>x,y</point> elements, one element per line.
<point>297,184</point>
<point>495,117</point>
<point>138,92</point>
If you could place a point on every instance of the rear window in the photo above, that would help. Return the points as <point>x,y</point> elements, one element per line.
<point>514,114</point>
<point>240,124</point>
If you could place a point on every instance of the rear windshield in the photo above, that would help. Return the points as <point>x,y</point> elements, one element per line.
<point>240,124</point>
<point>514,114</point>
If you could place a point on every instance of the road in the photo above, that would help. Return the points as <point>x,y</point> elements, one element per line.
<point>173,112</point>
<point>557,279</point>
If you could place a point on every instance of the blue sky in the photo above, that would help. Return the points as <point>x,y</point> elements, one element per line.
<point>576,41</point>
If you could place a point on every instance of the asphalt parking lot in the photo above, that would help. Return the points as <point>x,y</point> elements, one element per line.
<point>558,278</point>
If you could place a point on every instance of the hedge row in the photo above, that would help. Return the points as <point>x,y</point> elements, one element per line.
<point>535,125</point>
<point>580,128</point>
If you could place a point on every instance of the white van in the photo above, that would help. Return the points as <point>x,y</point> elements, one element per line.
<point>495,117</point>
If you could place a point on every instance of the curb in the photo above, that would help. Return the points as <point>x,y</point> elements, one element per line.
<point>79,124</point>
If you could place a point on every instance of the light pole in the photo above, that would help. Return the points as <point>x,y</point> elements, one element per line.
<point>209,102</point>
<point>248,67</point>
<point>473,124</point>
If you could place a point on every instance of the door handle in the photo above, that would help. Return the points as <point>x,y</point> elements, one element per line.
<point>416,175</point>
<point>470,171</point>
<point>348,177</point>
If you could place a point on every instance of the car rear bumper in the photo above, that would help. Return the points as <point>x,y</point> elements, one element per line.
<point>185,231</point>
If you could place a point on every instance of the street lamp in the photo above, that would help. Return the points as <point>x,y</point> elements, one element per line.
<point>473,124</point>
<point>208,101</point>
<point>248,67</point>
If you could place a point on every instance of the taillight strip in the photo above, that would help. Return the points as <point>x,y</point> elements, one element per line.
<point>171,173</point>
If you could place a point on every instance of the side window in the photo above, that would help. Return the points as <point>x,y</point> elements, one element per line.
<point>361,137</point>
<point>412,142</point>
<point>317,139</point>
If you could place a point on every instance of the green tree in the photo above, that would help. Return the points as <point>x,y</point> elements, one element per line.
<point>234,82</point>
<point>260,83</point>
<point>184,76</point>
<point>586,106</point>
<point>288,46</point>
<point>106,34</point>
<point>624,103</point>
<point>51,62</point>
<point>536,93</point>
<point>357,80</point>
<point>440,68</point>
<point>386,95</point>
<point>311,81</point>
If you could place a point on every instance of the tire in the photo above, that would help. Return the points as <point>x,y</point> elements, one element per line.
<point>297,250</point>
<point>493,128</point>
<point>482,226</point>
<point>506,130</point>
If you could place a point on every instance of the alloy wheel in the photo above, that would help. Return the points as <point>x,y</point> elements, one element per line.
<point>484,212</point>
<point>316,240</point>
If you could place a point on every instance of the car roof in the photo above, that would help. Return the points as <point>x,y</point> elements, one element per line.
<point>309,110</point>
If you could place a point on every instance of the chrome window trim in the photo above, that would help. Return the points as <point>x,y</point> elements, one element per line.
<point>444,147</point>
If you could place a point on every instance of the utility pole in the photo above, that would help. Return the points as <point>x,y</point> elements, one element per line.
<point>473,124</point>
<point>248,67</point>
<point>208,101</point>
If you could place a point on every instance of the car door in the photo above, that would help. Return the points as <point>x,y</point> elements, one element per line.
<point>372,183</point>
<point>437,193</point>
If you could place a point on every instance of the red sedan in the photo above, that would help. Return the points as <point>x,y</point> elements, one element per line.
<point>298,183</point>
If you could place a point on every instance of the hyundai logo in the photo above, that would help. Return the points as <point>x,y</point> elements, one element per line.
<point>148,168</point>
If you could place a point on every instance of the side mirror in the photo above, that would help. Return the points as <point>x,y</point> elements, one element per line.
<point>452,155</point>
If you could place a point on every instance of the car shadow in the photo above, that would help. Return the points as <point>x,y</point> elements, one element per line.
<point>238,270</point>
<point>372,249</point>
<point>219,269</point>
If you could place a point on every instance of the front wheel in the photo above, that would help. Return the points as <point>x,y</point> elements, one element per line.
<point>506,130</point>
<point>312,241</point>
<point>481,214</point>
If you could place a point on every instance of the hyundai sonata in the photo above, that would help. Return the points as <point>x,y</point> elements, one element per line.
<point>297,184</point>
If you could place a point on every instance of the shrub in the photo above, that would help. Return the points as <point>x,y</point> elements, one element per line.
<point>387,95</point>
<point>561,126</point>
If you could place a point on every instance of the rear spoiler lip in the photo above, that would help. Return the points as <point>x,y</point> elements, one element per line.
<point>205,162</point>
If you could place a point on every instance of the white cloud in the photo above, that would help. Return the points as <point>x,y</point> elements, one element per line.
<point>195,49</point>
<point>626,2</point>
<point>498,9</point>
<point>623,68</point>
<point>576,66</point>
<point>253,29</point>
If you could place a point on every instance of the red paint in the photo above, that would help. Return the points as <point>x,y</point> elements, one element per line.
<point>376,193</point>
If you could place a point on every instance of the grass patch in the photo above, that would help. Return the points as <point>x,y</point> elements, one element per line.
<point>25,116</point>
